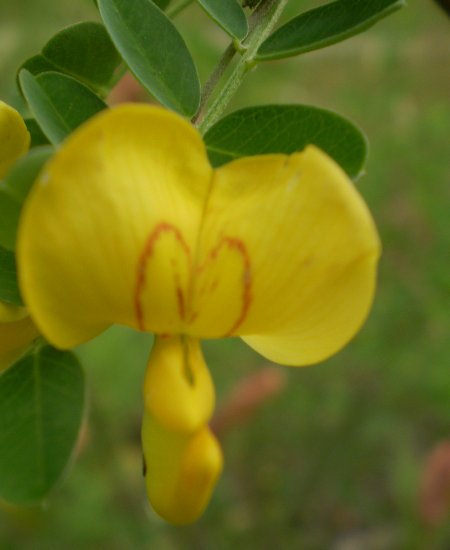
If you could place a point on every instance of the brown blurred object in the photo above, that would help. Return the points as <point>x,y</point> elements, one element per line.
<point>445,5</point>
<point>84,438</point>
<point>127,90</point>
<point>434,496</point>
<point>247,396</point>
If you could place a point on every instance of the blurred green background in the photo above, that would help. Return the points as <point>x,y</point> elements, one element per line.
<point>337,458</point>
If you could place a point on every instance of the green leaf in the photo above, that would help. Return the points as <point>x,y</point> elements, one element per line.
<point>9,215</point>
<point>14,189</point>
<point>37,65</point>
<point>37,135</point>
<point>34,65</point>
<point>9,289</point>
<point>286,129</point>
<point>41,409</point>
<point>162,4</point>
<point>85,52</point>
<point>154,51</point>
<point>59,102</point>
<point>324,26</point>
<point>228,14</point>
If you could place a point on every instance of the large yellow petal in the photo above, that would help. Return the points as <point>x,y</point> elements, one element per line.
<point>287,257</point>
<point>181,470</point>
<point>108,233</point>
<point>15,338</point>
<point>14,137</point>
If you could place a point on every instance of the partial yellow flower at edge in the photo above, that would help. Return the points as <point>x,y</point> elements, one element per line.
<point>14,137</point>
<point>278,249</point>
<point>15,338</point>
<point>17,331</point>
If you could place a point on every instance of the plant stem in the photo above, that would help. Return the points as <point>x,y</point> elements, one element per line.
<point>212,81</point>
<point>262,22</point>
<point>178,8</point>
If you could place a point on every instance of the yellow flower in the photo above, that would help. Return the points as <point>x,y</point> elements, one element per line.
<point>14,137</point>
<point>16,328</point>
<point>129,224</point>
<point>17,331</point>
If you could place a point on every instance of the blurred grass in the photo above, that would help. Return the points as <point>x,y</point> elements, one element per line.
<point>336,460</point>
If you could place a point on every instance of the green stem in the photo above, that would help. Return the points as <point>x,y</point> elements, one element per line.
<point>262,22</point>
<point>213,80</point>
<point>178,8</point>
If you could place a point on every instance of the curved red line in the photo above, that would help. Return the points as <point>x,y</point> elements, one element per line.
<point>147,251</point>
<point>238,245</point>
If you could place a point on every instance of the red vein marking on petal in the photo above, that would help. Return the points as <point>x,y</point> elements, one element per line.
<point>147,251</point>
<point>192,317</point>
<point>239,246</point>
<point>180,300</point>
<point>179,291</point>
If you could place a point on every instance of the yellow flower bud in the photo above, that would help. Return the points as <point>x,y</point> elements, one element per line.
<point>178,390</point>
<point>181,469</point>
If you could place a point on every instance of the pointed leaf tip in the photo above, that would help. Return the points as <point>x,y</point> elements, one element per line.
<point>324,26</point>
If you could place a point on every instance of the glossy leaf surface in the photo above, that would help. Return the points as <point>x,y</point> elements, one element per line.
<point>59,102</point>
<point>41,409</point>
<point>85,52</point>
<point>324,26</point>
<point>37,65</point>
<point>228,14</point>
<point>285,129</point>
<point>154,51</point>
